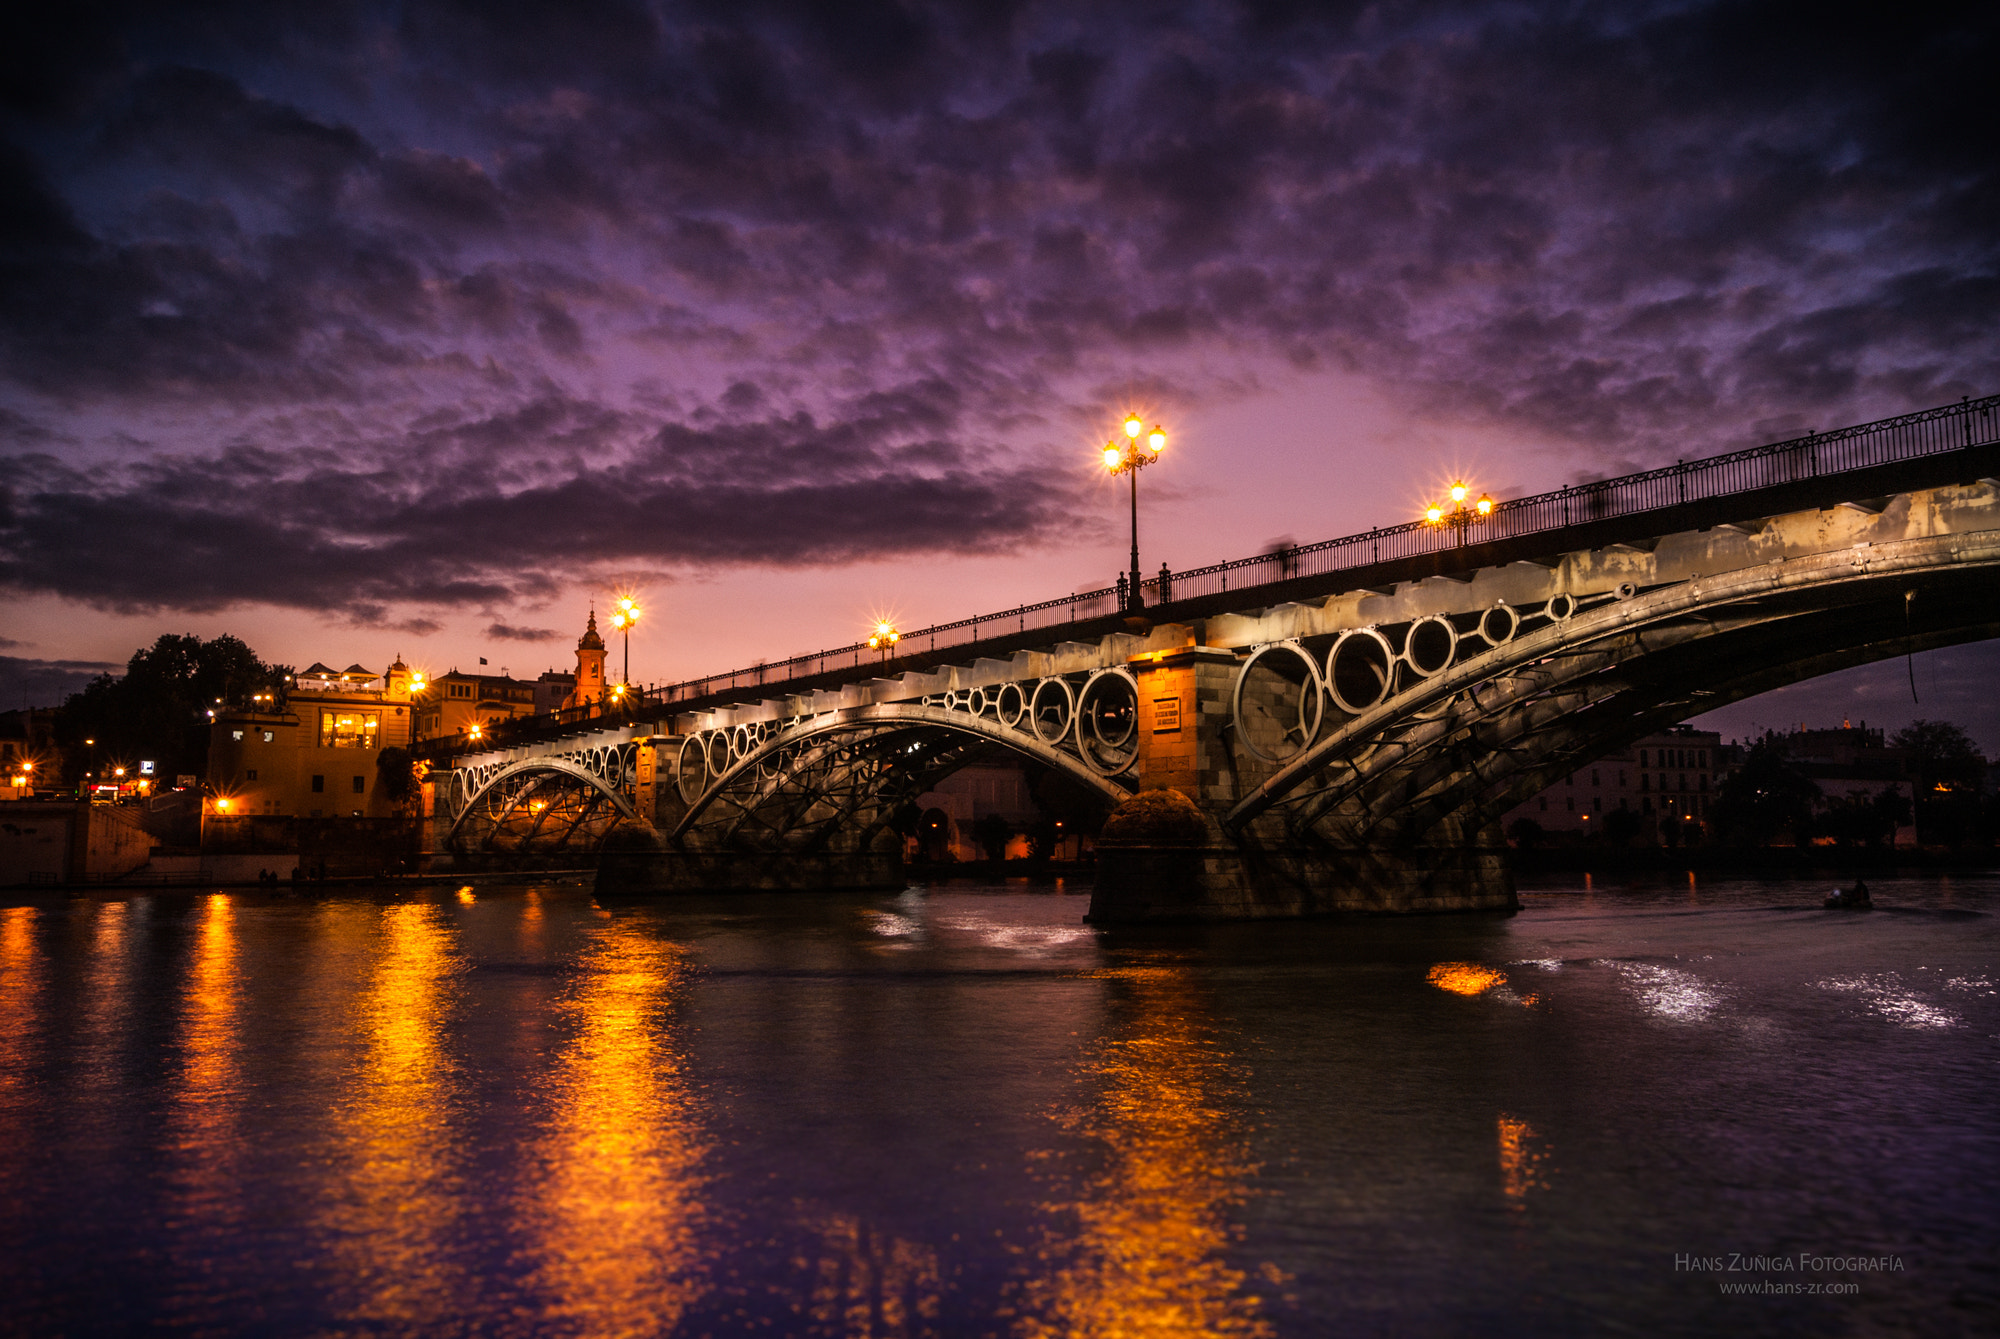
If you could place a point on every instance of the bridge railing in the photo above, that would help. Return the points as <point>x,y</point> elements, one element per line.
<point>1816,455</point>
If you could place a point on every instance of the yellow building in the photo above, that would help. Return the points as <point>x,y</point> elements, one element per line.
<point>316,755</point>
<point>453,703</point>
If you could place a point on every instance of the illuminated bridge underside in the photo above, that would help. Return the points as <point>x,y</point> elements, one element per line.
<point>811,783</point>
<point>552,805</point>
<point>1352,752</point>
<point>1461,748</point>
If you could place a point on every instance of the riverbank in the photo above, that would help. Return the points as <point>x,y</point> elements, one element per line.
<point>1759,862</point>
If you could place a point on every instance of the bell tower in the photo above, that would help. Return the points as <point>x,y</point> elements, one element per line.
<point>589,667</point>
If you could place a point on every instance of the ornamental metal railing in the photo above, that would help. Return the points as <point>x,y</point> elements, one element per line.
<point>1817,455</point>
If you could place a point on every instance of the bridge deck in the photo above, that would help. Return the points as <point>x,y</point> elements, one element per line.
<point>1957,444</point>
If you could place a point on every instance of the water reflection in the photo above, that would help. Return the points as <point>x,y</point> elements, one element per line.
<point>208,1024</point>
<point>1524,1161</point>
<point>20,1028</point>
<point>615,1213</point>
<point>401,1195</point>
<point>107,986</point>
<point>862,1283</point>
<point>203,1130</point>
<point>1140,1247</point>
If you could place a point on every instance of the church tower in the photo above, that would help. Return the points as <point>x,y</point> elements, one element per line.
<point>589,667</point>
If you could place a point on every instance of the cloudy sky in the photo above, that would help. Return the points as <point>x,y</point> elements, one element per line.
<point>357,330</point>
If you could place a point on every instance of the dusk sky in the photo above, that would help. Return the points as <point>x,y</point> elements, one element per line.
<point>416,328</point>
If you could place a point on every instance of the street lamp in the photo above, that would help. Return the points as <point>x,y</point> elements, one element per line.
<point>622,619</point>
<point>884,639</point>
<point>1128,459</point>
<point>1458,515</point>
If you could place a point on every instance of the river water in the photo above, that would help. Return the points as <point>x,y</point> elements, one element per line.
<point>518,1110</point>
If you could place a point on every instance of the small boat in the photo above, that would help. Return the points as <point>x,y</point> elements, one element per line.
<point>1850,899</point>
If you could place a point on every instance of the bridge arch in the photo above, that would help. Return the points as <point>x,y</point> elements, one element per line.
<point>542,803</point>
<point>842,774</point>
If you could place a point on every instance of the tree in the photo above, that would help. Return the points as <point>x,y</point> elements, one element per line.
<point>396,775</point>
<point>1864,819</point>
<point>1526,833</point>
<point>159,709</point>
<point>1765,799</point>
<point>1621,826</point>
<point>992,833</point>
<point>1949,769</point>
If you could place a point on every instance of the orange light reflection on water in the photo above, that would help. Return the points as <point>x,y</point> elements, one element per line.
<point>20,1021</point>
<point>1524,1160</point>
<point>400,1196</point>
<point>615,1213</point>
<point>208,1014</point>
<point>1465,978</point>
<point>1140,1247</point>
<point>861,1281</point>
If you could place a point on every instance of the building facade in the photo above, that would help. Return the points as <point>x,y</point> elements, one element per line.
<point>1669,780</point>
<point>454,702</point>
<point>317,754</point>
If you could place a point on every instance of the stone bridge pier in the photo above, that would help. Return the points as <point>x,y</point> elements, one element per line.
<point>1215,724</point>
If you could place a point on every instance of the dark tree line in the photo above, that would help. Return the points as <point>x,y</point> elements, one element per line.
<point>1769,798</point>
<point>159,709</point>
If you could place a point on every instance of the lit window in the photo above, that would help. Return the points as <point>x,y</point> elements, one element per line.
<point>236,735</point>
<point>348,729</point>
<point>269,736</point>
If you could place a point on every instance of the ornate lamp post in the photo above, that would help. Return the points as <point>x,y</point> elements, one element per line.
<point>622,619</point>
<point>1459,516</point>
<point>884,639</point>
<point>1128,459</point>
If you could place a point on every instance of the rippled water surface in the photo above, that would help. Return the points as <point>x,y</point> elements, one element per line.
<point>519,1110</point>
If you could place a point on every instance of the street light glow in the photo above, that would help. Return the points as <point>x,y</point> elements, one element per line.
<point>1133,426</point>
<point>1434,514</point>
<point>1158,441</point>
<point>1458,491</point>
<point>1112,455</point>
<point>1485,505</point>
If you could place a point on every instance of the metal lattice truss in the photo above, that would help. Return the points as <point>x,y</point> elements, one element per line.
<point>813,781</point>
<point>1392,730</point>
<point>559,801</point>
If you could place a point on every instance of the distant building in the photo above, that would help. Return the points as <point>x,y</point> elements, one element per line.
<point>1669,778</point>
<point>29,758</point>
<point>454,702</point>
<point>1853,762</point>
<point>960,800</point>
<point>316,754</point>
<point>589,687</point>
<point>552,689</point>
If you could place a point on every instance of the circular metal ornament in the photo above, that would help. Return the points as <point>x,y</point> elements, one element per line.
<point>1360,670</point>
<point>1124,720</point>
<point>1051,708</point>
<point>691,769</point>
<point>1311,699</point>
<point>1010,704</point>
<point>1499,624</point>
<point>1429,645</point>
<point>1560,608</point>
